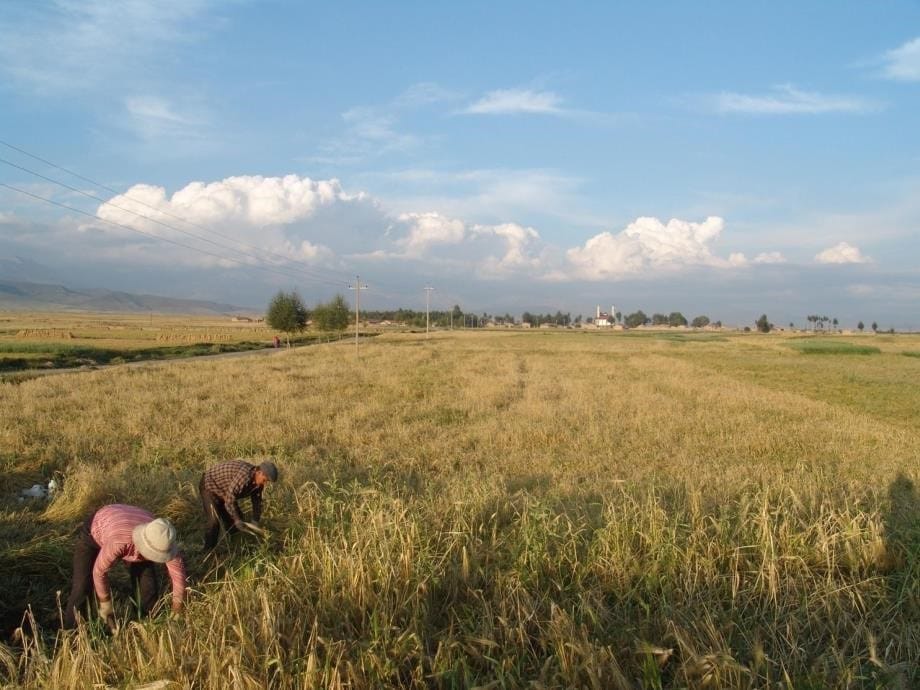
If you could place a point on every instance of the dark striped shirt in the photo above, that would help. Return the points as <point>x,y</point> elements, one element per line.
<point>232,480</point>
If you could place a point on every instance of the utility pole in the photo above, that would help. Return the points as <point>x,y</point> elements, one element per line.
<point>427,302</point>
<point>357,287</point>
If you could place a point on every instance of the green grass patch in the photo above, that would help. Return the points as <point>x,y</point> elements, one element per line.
<point>27,355</point>
<point>832,347</point>
<point>911,353</point>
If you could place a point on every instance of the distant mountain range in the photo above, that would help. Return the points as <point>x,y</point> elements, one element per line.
<point>21,296</point>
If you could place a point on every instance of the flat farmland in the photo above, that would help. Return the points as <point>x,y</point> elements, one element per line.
<point>47,341</point>
<point>546,509</point>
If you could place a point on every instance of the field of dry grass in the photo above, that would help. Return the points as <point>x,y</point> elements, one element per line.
<point>35,342</point>
<point>545,510</point>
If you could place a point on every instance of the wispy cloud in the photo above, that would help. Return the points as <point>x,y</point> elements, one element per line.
<point>62,47</point>
<point>903,63</point>
<point>160,123</point>
<point>516,101</point>
<point>374,130</point>
<point>425,93</point>
<point>489,195</point>
<point>786,99</point>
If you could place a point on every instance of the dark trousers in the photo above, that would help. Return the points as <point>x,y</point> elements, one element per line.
<point>215,513</point>
<point>143,577</point>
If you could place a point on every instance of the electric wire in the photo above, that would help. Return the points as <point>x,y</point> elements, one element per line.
<point>312,270</point>
<point>147,234</point>
<point>289,271</point>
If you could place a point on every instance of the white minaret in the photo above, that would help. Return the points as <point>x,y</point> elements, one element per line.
<point>598,315</point>
<point>613,314</point>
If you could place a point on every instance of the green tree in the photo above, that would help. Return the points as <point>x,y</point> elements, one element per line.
<point>659,319</point>
<point>675,318</point>
<point>286,313</point>
<point>700,322</point>
<point>874,327</point>
<point>860,326</point>
<point>333,315</point>
<point>763,324</point>
<point>637,318</point>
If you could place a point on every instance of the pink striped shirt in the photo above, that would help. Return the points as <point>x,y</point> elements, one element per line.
<point>111,528</point>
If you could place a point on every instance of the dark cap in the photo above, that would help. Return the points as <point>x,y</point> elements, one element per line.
<point>269,470</point>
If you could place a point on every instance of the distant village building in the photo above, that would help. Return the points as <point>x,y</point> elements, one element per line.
<point>604,319</point>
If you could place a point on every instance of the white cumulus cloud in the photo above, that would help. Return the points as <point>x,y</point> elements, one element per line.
<point>427,229</point>
<point>903,63</point>
<point>236,213</point>
<point>842,253</point>
<point>249,200</point>
<point>521,247</point>
<point>647,244</point>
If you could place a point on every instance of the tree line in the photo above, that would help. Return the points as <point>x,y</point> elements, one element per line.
<point>288,313</point>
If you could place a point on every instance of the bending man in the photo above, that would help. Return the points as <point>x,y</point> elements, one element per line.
<point>119,532</point>
<point>222,485</point>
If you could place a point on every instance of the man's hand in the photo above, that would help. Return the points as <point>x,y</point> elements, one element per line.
<point>253,528</point>
<point>107,614</point>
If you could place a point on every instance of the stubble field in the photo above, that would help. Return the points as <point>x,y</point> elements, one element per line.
<point>502,509</point>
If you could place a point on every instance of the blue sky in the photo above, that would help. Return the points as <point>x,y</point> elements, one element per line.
<point>716,158</point>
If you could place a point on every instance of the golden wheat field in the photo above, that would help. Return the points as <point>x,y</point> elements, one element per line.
<point>492,509</point>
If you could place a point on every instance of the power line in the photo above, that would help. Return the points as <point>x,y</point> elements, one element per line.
<point>146,234</point>
<point>316,274</point>
<point>142,203</point>
<point>165,225</point>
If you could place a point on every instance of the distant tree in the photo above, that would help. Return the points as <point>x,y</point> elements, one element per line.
<point>619,317</point>
<point>333,315</point>
<point>659,319</point>
<point>835,323</point>
<point>874,327</point>
<point>286,313</point>
<point>700,322</point>
<point>763,324</point>
<point>637,318</point>
<point>675,318</point>
<point>791,325</point>
<point>860,326</point>
<point>718,324</point>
